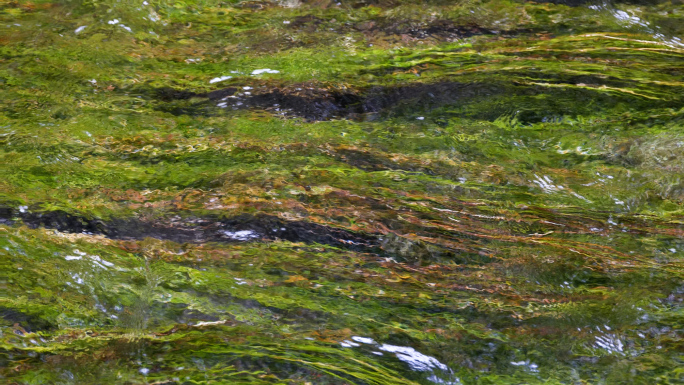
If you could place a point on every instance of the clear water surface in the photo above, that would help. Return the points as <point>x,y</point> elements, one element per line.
<point>356,192</point>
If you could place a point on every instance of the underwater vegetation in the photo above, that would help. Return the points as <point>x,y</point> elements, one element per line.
<point>366,192</point>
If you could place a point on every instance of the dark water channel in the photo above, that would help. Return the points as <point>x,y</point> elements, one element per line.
<point>357,192</point>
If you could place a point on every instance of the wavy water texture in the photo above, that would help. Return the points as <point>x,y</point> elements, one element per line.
<point>355,192</point>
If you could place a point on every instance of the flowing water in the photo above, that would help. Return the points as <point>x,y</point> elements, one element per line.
<point>356,192</point>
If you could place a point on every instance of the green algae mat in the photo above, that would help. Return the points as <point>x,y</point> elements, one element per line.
<point>364,192</point>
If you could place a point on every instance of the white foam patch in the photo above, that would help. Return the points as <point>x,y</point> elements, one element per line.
<point>531,366</point>
<point>416,360</point>
<point>101,262</point>
<point>629,19</point>
<point>77,278</point>
<point>265,71</point>
<point>546,184</point>
<point>95,259</point>
<point>242,235</point>
<point>363,340</point>
<point>209,323</point>
<point>219,79</point>
<point>610,342</point>
<point>349,344</point>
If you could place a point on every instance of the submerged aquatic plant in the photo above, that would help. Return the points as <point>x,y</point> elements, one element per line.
<point>319,192</point>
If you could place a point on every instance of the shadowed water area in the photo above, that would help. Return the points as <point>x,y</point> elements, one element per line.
<point>366,192</point>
